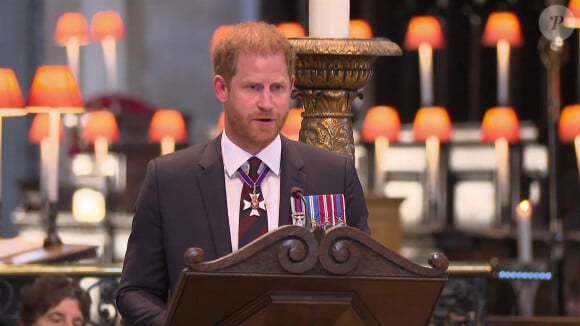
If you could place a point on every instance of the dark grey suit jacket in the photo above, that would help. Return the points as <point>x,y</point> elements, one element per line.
<point>182,204</point>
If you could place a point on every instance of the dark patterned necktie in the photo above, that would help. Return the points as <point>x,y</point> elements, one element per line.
<point>253,215</point>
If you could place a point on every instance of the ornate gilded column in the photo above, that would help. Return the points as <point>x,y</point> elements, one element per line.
<point>330,74</point>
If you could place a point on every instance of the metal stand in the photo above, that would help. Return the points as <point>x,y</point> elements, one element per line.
<point>553,55</point>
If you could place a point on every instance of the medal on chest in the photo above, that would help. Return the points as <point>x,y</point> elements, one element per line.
<point>254,203</point>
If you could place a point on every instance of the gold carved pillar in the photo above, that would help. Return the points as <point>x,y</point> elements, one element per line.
<point>330,74</point>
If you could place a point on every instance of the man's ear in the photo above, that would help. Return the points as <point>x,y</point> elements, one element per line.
<point>219,88</point>
<point>292,80</point>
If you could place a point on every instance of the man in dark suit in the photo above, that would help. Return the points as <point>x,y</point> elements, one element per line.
<point>191,198</point>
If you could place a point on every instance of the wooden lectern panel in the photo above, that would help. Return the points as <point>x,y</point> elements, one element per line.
<point>293,276</point>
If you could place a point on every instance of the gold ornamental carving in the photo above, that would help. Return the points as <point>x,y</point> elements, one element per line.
<point>330,74</point>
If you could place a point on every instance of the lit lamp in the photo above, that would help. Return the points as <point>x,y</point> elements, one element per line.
<point>88,205</point>
<point>569,128</point>
<point>72,32</point>
<point>359,28</point>
<point>11,104</point>
<point>107,27</point>
<point>502,30</point>
<point>425,34</point>
<point>501,126</point>
<point>100,129</point>
<point>381,126</point>
<point>54,91</point>
<point>291,29</point>
<point>167,127</point>
<point>38,134</point>
<point>525,248</point>
<point>432,125</point>
<point>218,33</point>
<point>291,128</point>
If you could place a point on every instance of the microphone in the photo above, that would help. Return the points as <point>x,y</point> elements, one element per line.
<point>297,192</point>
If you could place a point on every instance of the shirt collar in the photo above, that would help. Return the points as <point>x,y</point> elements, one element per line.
<point>233,156</point>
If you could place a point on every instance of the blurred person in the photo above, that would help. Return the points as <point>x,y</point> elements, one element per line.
<point>54,300</point>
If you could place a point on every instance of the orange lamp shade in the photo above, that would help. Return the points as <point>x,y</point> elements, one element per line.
<point>359,28</point>
<point>500,122</point>
<point>54,88</point>
<point>574,7</point>
<point>100,123</point>
<point>39,128</point>
<point>569,127</point>
<point>383,121</point>
<point>291,29</point>
<point>293,123</point>
<point>220,125</point>
<point>167,123</point>
<point>107,23</point>
<point>502,25</point>
<point>432,121</point>
<point>424,29</point>
<point>11,101</point>
<point>71,25</point>
<point>219,33</point>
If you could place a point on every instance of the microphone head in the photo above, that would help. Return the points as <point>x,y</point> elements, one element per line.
<point>296,192</point>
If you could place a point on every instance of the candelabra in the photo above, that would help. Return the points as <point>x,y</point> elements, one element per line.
<point>330,73</point>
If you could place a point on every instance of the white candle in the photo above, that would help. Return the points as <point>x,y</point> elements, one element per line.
<point>328,18</point>
<point>524,212</point>
<point>73,53</point>
<point>432,154</point>
<point>101,153</point>
<point>503,170</point>
<point>426,73</point>
<point>110,54</point>
<point>52,173</point>
<point>503,59</point>
<point>44,158</point>
<point>167,145</point>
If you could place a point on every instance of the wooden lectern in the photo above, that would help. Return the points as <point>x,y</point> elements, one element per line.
<point>293,276</point>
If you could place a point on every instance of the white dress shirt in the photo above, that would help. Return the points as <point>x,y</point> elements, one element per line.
<point>234,157</point>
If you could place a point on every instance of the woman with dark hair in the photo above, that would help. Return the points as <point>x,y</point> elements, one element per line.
<point>54,300</point>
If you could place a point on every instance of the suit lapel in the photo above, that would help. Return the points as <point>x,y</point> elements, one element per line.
<point>213,190</point>
<point>292,175</point>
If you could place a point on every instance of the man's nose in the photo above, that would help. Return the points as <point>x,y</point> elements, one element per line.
<point>266,102</point>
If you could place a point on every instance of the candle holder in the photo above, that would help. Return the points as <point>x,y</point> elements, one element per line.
<point>329,76</point>
<point>52,238</point>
